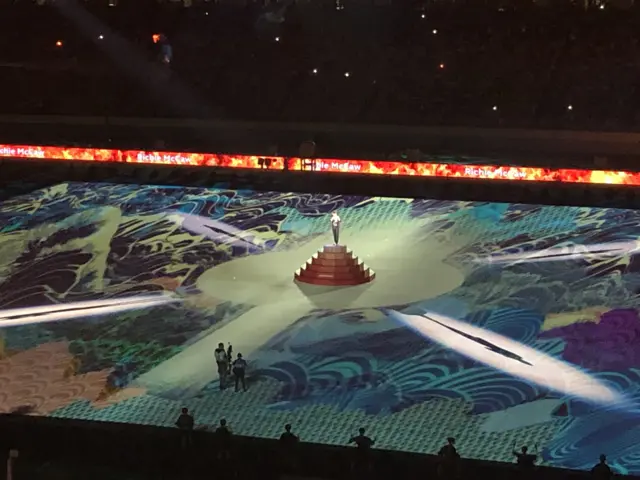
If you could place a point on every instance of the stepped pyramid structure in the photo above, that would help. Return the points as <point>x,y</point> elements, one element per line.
<point>334,265</point>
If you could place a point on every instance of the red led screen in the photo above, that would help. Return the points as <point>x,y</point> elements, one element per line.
<point>324,165</point>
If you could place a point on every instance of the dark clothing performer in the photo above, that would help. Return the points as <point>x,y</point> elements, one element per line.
<point>239,370</point>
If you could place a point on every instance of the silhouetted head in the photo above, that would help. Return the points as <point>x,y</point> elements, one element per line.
<point>239,355</point>
<point>525,449</point>
<point>362,430</point>
<point>603,458</point>
<point>287,427</point>
<point>185,410</point>
<point>451,441</point>
<point>223,422</point>
<point>221,345</point>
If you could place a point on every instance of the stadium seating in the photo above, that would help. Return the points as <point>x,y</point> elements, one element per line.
<point>444,64</point>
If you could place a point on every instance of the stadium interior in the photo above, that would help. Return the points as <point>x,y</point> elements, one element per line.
<point>501,312</point>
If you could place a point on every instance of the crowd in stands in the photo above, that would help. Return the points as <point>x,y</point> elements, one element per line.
<point>410,62</point>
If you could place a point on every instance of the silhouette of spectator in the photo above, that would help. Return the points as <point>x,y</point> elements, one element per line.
<point>363,450</point>
<point>185,424</point>
<point>288,438</point>
<point>448,451</point>
<point>362,441</point>
<point>288,442</point>
<point>601,471</point>
<point>525,460</point>
<point>224,437</point>
<point>239,371</point>
<point>223,365</point>
<point>448,455</point>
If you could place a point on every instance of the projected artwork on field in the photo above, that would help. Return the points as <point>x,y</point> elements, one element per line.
<point>488,322</point>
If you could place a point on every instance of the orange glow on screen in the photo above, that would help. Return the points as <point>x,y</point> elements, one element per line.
<point>326,165</point>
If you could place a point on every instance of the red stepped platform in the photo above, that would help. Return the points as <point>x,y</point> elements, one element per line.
<point>334,265</point>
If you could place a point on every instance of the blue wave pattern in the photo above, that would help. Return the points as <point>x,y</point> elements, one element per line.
<point>395,369</point>
<point>340,359</point>
<point>591,431</point>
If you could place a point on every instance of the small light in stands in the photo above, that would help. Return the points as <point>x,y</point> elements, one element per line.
<point>59,44</point>
<point>569,107</point>
<point>100,37</point>
<point>206,13</point>
<point>441,66</point>
<point>434,31</point>
<point>347,74</point>
<point>602,7</point>
<point>495,108</point>
<point>314,71</point>
<point>423,16</point>
<point>277,39</point>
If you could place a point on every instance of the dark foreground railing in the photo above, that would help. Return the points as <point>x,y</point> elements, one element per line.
<point>52,448</point>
